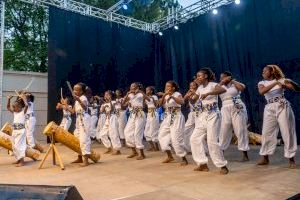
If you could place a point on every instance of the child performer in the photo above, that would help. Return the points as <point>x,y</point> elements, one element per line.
<point>66,121</point>
<point>208,122</point>
<point>234,115</point>
<point>121,114</point>
<point>278,114</point>
<point>152,122</point>
<point>190,123</point>
<point>30,121</point>
<point>172,127</point>
<point>136,123</point>
<point>109,133</point>
<point>19,108</point>
<point>93,107</point>
<point>82,123</point>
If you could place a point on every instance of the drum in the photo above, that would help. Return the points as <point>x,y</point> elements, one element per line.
<point>67,139</point>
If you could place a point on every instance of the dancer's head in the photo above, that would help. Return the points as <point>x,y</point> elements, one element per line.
<point>150,90</point>
<point>135,87</point>
<point>108,95</point>
<point>171,87</point>
<point>205,75</point>
<point>193,86</point>
<point>119,93</point>
<point>79,89</point>
<point>18,105</point>
<point>225,77</point>
<point>271,72</point>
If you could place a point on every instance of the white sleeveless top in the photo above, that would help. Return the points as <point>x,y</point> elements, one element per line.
<point>210,99</point>
<point>77,106</point>
<point>150,104</point>
<point>171,102</point>
<point>19,117</point>
<point>276,91</point>
<point>136,100</point>
<point>231,91</point>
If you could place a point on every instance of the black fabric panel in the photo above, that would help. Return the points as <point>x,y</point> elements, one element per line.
<point>242,39</point>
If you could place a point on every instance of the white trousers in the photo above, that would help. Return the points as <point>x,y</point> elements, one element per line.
<point>110,134</point>
<point>207,129</point>
<point>66,123</point>
<point>134,130</point>
<point>172,134</point>
<point>19,143</point>
<point>100,124</point>
<point>279,116</point>
<point>82,133</point>
<point>29,127</point>
<point>234,120</point>
<point>188,130</point>
<point>93,126</point>
<point>152,126</point>
<point>122,119</point>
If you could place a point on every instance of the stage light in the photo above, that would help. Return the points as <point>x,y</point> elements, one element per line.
<point>215,11</point>
<point>125,7</point>
<point>176,27</point>
<point>237,2</point>
<point>160,33</point>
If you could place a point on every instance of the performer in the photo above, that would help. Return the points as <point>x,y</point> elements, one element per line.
<point>109,133</point>
<point>82,123</point>
<point>190,123</point>
<point>30,121</point>
<point>66,120</point>
<point>19,109</point>
<point>152,122</point>
<point>93,108</point>
<point>234,115</point>
<point>207,126</point>
<point>136,123</point>
<point>101,118</point>
<point>278,114</point>
<point>121,114</point>
<point>172,127</point>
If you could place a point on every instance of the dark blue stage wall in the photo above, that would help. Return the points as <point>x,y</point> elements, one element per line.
<point>103,55</point>
<point>242,39</point>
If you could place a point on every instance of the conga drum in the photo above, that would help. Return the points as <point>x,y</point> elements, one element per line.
<point>5,142</point>
<point>69,140</point>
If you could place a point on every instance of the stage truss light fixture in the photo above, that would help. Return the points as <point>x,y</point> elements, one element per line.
<point>215,11</point>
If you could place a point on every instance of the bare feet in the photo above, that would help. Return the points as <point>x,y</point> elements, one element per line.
<point>109,150</point>
<point>292,163</point>
<point>133,154</point>
<point>168,160</point>
<point>263,161</point>
<point>184,162</point>
<point>224,170</point>
<point>245,156</point>
<point>21,163</point>
<point>117,152</point>
<point>202,168</point>
<point>142,155</point>
<point>78,160</point>
<point>85,161</point>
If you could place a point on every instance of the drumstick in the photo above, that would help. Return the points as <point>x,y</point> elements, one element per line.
<point>70,87</point>
<point>61,93</point>
<point>29,84</point>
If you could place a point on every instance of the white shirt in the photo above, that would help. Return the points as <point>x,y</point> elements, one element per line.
<point>66,112</point>
<point>150,104</point>
<point>274,92</point>
<point>136,100</point>
<point>118,104</point>
<point>94,109</point>
<point>30,108</point>
<point>231,91</point>
<point>78,108</point>
<point>108,107</point>
<point>19,117</point>
<point>171,102</point>
<point>203,90</point>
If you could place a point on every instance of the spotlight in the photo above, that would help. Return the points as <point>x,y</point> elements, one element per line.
<point>176,27</point>
<point>215,11</point>
<point>237,2</point>
<point>160,33</point>
<point>125,7</point>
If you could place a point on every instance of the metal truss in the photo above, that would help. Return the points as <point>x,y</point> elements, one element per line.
<point>183,15</point>
<point>88,10</point>
<point>118,5</point>
<point>2,17</point>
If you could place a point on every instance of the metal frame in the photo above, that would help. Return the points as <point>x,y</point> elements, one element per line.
<point>118,5</point>
<point>2,20</point>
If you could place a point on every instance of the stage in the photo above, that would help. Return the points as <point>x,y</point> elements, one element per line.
<point>117,177</point>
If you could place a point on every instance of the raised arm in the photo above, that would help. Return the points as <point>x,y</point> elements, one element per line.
<point>239,86</point>
<point>291,85</point>
<point>8,106</point>
<point>264,89</point>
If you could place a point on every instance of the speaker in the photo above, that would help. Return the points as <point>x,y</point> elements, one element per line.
<point>296,197</point>
<point>38,192</point>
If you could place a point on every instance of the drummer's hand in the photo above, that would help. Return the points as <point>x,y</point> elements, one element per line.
<point>76,97</point>
<point>9,97</point>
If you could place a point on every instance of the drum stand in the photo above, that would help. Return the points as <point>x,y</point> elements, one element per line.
<point>55,154</point>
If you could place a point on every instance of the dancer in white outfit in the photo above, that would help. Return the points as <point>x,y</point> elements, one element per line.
<point>208,123</point>
<point>19,108</point>
<point>234,115</point>
<point>121,114</point>
<point>82,123</point>
<point>30,121</point>
<point>136,123</point>
<point>152,123</point>
<point>94,108</point>
<point>66,120</point>
<point>278,114</point>
<point>172,127</point>
<point>190,123</point>
<point>109,133</point>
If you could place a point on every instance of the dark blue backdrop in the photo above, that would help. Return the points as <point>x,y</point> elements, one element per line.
<point>241,38</point>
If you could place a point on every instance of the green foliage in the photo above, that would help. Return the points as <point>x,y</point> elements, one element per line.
<point>26,32</point>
